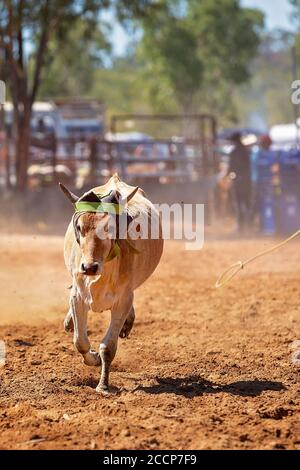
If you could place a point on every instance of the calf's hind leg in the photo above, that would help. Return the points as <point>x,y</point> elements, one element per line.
<point>68,322</point>
<point>127,327</point>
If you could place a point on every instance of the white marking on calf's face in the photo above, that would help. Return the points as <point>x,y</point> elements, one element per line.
<point>95,240</point>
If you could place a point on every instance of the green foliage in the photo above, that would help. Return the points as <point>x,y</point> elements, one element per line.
<point>119,87</point>
<point>73,62</point>
<point>200,51</point>
<point>171,50</point>
<point>268,94</point>
<point>228,37</point>
<point>295,17</point>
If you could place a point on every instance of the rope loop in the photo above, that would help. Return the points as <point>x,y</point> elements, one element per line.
<point>232,271</point>
<point>229,273</point>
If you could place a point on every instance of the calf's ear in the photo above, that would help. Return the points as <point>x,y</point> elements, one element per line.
<point>72,197</point>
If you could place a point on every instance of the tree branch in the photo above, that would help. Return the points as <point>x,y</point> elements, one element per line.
<point>40,55</point>
<point>38,64</point>
<point>20,33</point>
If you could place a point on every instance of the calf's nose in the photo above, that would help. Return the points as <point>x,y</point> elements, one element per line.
<point>90,269</point>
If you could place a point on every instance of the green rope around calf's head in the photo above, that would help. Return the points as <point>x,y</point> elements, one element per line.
<point>102,207</point>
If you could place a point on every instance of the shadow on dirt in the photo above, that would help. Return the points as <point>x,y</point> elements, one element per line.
<point>92,383</point>
<point>194,385</point>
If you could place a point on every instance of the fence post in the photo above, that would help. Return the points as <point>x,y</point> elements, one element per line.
<point>7,164</point>
<point>93,160</point>
<point>54,159</point>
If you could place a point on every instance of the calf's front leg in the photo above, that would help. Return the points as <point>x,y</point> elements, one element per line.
<point>108,345</point>
<point>81,341</point>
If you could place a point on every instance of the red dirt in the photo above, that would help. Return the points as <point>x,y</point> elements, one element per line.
<point>202,369</point>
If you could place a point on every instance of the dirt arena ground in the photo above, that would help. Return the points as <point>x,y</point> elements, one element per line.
<point>202,369</point>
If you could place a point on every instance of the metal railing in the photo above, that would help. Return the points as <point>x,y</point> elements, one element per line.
<point>93,160</point>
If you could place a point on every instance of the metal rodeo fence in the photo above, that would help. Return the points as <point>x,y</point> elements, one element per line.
<point>189,151</point>
<point>175,156</point>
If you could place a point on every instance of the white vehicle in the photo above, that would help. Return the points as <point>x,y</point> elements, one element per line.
<point>75,121</point>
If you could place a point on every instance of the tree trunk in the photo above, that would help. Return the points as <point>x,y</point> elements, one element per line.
<point>22,149</point>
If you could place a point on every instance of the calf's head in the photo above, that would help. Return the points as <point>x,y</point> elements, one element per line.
<point>98,223</point>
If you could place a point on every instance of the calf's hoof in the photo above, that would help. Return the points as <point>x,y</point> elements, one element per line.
<point>107,391</point>
<point>92,358</point>
<point>103,389</point>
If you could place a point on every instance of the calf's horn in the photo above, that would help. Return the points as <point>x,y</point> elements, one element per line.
<point>73,198</point>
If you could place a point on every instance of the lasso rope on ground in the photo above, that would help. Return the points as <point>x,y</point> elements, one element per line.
<point>232,271</point>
